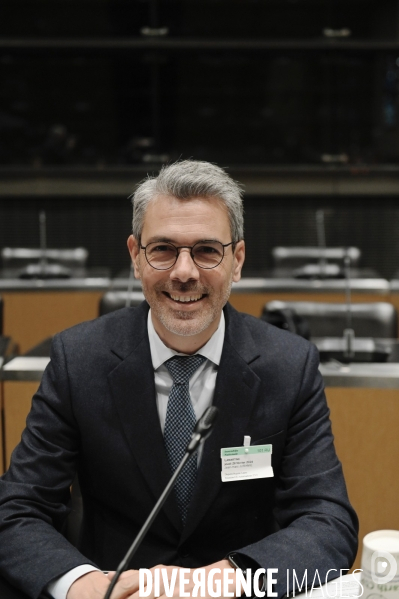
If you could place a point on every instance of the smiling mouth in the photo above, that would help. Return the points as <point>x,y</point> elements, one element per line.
<point>185,299</point>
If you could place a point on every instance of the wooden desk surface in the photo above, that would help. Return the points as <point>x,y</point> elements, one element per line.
<point>31,316</point>
<point>1,433</point>
<point>17,401</point>
<point>365,424</point>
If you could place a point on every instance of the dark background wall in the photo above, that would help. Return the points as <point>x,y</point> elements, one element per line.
<point>105,88</point>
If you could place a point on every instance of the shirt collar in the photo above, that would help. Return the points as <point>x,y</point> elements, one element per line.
<point>212,350</point>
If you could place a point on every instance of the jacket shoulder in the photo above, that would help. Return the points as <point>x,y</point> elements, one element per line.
<point>120,327</point>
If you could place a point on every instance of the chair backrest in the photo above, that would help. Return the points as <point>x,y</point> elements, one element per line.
<point>292,257</point>
<point>18,257</point>
<point>1,315</point>
<point>114,300</point>
<point>377,319</point>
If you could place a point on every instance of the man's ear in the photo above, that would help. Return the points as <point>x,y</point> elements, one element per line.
<point>134,251</point>
<point>239,257</point>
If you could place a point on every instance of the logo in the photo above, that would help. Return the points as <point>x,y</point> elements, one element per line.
<point>383,567</point>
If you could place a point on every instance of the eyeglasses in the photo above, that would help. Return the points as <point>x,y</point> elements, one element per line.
<point>205,254</point>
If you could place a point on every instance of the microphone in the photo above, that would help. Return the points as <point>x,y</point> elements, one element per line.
<point>202,430</point>
<point>349,333</point>
<point>43,241</point>
<point>321,242</point>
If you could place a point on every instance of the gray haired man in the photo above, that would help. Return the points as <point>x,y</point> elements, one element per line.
<point>121,393</point>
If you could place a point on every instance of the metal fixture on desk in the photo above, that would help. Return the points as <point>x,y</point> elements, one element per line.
<point>321,270</point>
<point>337,33</point>
<point>44,270</point>
<point>349,348</point>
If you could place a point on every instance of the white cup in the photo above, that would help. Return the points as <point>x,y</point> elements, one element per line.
<point>380,565</point>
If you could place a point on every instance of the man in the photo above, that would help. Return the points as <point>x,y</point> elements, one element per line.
<point>107,406</point>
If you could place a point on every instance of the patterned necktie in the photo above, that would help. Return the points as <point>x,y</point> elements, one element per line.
<point>179,425</point>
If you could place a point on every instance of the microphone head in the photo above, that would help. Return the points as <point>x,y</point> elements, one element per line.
<point>203,428</point>
<point>205,423</point>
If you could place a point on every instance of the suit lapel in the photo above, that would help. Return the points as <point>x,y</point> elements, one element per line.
<point>133,390</point>
<point>235,394</point>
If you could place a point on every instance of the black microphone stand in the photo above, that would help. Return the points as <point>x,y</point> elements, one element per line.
<point>202,430</point>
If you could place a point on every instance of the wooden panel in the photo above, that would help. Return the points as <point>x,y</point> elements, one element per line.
<point>365,424</point>
<point>253,303</point>
<point>17,397</point>
<point>30,317</point>
<point>1,431</point>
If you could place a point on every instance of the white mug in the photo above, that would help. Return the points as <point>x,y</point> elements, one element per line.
<point>380,565</point>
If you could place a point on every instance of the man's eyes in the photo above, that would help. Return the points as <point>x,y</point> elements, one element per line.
<point>206,249</point>
<point>197,249</point>
<point>162,248</point>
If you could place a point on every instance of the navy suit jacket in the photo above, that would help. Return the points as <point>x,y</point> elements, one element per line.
<point>96,411</point>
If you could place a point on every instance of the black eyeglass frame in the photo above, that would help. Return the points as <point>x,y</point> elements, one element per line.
<point>189,247</point>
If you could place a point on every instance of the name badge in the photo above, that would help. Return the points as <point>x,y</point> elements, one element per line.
<point>245,463</point>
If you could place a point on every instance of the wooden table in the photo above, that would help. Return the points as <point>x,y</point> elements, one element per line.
<point>365,423</point>
<point>2,459</point>
<point>37,309</point>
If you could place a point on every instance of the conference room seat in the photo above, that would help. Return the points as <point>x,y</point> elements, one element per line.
<point>114,300</point>
<point>376,319</point>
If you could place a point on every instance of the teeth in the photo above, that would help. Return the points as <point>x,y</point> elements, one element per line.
<point>186,298</point>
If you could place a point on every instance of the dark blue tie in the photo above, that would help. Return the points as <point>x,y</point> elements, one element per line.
<point>179,425</point>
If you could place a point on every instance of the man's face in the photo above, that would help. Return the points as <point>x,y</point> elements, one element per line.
<point>184,223</point>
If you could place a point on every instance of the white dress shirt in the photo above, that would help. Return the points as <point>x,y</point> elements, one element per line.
<point>201,387</point>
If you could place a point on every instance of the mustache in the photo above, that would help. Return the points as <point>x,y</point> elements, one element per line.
<point>187,287</point>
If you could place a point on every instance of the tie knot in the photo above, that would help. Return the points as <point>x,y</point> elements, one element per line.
<point>182,368</point>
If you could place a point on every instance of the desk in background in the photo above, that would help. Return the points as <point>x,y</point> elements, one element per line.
<point>19,381</point>
<point>364,404</point>
<point>6,352</point>
<point>35,309</point>
<point>251,294</point>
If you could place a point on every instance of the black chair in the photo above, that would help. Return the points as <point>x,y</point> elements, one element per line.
<point>1,315</point>
<point>377,319</point>
<point>114,300</point>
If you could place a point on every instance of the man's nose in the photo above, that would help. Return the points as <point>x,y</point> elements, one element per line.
<point>185,268</point>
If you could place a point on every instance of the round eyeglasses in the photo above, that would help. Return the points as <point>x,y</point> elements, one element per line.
<point>163,255</point>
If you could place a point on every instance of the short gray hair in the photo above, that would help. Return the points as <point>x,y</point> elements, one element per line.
<point>189,179</point>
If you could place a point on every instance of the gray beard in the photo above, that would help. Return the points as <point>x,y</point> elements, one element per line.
<point>183,324</point>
